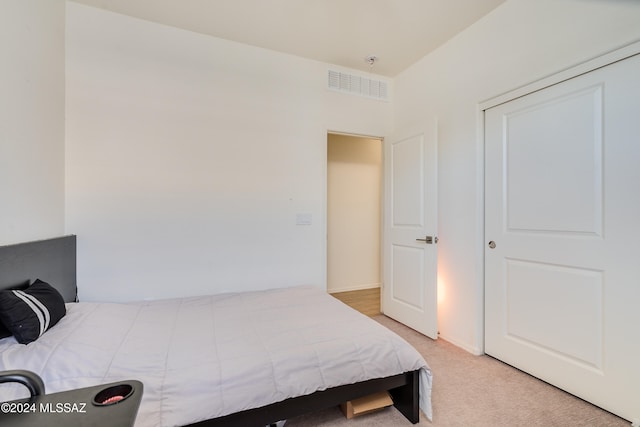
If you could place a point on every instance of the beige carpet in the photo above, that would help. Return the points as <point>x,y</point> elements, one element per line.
<point>476,391</point>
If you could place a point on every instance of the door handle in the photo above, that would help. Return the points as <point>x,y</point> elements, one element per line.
<point>428,240</point>
<point>492,244</point>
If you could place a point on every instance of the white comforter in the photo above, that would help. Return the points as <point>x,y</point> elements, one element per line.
<point>205,357</point>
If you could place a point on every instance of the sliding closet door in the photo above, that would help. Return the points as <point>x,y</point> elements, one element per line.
<point>562,227</point>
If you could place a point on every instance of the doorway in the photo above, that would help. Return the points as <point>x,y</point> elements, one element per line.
<point>354,201</point>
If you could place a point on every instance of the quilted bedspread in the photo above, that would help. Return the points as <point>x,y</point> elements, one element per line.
<point>204,357</point>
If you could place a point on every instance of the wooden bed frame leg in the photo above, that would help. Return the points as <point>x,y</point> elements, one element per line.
<point>407,397</point>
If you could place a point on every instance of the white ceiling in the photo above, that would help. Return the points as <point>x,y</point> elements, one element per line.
<point>342,32</point>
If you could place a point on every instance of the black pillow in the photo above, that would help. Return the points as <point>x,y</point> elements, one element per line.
<point>4,332</point>
<point>30,313</point>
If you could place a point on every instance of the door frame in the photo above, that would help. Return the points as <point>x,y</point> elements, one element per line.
<point>584,67</point>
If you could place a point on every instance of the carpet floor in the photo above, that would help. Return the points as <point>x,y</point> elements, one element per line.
<point>475,391</point>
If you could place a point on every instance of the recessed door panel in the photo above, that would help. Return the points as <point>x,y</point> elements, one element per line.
<point>553,164</point>
<point>555,309</point>
<point>408,269</point>
<point>408,182</point>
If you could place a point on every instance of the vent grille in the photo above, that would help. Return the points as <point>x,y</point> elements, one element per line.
<point>356,85</point>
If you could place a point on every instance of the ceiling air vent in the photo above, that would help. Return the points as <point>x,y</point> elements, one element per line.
<point>357,85</point>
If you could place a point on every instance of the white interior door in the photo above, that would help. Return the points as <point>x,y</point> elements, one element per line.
<point>410,222</point>
<point>562,224</point>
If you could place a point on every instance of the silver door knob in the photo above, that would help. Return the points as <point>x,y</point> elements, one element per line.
<point>428,240</point>
<point>492,244</point>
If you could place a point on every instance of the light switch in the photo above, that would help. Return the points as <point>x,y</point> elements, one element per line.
<point>304,219</point>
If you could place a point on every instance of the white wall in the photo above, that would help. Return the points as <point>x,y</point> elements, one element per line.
<point>189,157</point>
<point>353,212</point>
<point>31,120</point>
<point>519,42</point>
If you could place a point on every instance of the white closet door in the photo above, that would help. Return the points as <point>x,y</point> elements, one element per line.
<point>562,227</point>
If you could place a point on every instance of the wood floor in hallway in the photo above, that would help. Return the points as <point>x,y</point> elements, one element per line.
<point>366,301</point>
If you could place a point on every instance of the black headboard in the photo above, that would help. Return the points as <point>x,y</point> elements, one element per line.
<point>52,261</point>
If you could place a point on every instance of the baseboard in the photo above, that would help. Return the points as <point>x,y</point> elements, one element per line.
<point>353,288</point>
<point>471,349</point>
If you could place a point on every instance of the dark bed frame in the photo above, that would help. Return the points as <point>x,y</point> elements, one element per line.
<point>54,261</point>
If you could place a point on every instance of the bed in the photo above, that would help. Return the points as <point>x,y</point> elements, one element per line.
<point>250,358</point>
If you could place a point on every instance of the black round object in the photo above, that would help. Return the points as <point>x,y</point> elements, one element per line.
<point>112,395</point>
